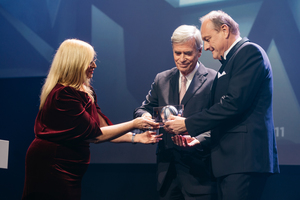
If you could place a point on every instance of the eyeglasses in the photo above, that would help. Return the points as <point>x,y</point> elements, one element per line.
<point>93,61</point>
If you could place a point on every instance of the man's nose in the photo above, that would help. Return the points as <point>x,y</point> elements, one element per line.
<point>206,46</point>
<point>182,57</point>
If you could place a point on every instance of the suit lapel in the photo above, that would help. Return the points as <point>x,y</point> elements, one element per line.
<point>235,48</point>
<point>174,88</point>
<point>228,57</point>
<point>198,80</point>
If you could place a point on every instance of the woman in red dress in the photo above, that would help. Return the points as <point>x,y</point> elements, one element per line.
<point>68,119</point>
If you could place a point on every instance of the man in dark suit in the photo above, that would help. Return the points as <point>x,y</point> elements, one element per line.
<point>183,173</point>
<point>240,116</point>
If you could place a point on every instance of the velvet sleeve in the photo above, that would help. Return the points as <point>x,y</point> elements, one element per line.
<point>67,116</point>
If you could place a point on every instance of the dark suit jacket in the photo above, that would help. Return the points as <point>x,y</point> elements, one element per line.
<point>165,91</point>
<point>240,117</point>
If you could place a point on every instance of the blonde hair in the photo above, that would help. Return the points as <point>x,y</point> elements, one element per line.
<point>68,68</point>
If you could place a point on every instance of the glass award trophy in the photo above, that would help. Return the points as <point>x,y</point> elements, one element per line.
<point>163,113</point>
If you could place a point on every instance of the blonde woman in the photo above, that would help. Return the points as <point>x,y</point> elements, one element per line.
<point>68,119</point>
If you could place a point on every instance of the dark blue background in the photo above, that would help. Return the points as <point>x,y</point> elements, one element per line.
<point>132,40</point>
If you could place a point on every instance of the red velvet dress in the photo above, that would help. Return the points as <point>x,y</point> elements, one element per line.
<point>59,156</point>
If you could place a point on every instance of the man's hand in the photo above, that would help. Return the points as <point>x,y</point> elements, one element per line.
<point>147,116</point>
<point>185,140</point>
<point>175,125</point>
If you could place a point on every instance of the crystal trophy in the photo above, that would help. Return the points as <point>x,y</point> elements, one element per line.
<point>163,113</point>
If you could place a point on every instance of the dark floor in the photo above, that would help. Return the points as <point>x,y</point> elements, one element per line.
<point>138,182</point>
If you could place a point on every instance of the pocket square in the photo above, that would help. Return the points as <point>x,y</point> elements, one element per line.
<point>223,73</point>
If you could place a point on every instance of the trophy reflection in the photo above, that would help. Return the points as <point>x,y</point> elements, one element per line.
<point>163,113</point>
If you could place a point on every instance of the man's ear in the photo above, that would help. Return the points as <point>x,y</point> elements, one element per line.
<point>225,30</point>
<point>199,52</point>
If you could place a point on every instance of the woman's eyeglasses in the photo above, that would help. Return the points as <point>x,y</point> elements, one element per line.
<point>93,61</point>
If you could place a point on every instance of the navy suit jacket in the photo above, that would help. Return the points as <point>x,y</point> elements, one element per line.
<point>240,117</point>
<point>165,91</point>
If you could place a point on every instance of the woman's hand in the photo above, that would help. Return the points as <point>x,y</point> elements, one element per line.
<point>145,123</point>
<point>148,137</point>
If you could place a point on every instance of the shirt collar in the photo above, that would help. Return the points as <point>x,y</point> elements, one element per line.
<point>227,51</point>
<point>190,76</point>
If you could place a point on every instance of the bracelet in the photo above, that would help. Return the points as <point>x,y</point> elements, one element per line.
<point>132,138</point>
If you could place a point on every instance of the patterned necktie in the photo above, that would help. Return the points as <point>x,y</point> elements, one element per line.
<point>183,88</point>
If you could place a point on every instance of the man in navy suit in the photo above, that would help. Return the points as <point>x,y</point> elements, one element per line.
<point>240,115</point>
<point>183,173</point>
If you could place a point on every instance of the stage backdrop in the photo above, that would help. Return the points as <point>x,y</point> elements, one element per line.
<point>132,40</point>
